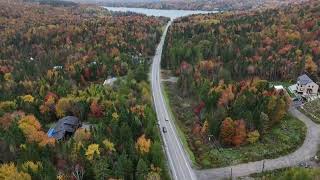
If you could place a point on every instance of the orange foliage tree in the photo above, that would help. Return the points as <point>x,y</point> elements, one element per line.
<point>143,144</point>
<point>31,128</point>
<point>227,131</point>
<point>240,133</point>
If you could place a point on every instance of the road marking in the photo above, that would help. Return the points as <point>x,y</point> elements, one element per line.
<point>161,111</point>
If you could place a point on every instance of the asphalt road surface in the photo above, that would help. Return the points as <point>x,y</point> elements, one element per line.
<point>178,160</point>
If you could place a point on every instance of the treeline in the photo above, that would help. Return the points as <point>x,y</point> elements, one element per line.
<point>277,44</point>
<point>53,62</point>
<point>54,2</point>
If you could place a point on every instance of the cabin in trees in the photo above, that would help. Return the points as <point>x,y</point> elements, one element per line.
<point>65,127</point>
<point>306,86</point>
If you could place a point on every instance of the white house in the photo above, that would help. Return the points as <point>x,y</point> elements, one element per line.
<point>306,86</point>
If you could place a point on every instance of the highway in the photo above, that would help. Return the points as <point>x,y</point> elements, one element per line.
<point>178,160</point>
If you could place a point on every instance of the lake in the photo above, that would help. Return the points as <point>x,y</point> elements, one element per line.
<point>159,12</point>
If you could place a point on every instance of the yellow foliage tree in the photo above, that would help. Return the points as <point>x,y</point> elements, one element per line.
<point>143,144</point>
<point>108,145</point>
<point>253,136</point>
<point>28,98</point>
<point>93,149</point>
<point>63,105</point>
<point>10,172</point>
<point>81,134</point>
<point>204,128</point>
<point>33,166</point>
<point>310,65</point>
<point>8,105</point>
<point>8,77</point>
<point>115,116</point>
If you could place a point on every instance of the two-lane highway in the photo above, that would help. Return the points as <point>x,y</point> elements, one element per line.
<point>178,160</point>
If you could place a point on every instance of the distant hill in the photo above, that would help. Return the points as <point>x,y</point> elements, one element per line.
<point>196,4</point>
<point>54,2</point>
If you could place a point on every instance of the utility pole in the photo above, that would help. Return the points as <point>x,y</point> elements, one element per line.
<point>263,165</point>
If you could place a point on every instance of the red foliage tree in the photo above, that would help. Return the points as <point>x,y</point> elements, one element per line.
<point>96,109</point>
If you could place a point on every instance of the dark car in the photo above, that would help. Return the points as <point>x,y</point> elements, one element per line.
<point>164,129</point>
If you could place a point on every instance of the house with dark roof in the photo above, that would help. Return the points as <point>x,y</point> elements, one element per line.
<point>306,86</point>
<point>65,127</point>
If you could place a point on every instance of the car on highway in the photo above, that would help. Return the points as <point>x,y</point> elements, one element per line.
<point>164,129</point>
<point>166,119</point>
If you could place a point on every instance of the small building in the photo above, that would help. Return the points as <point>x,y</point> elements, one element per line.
<point>306,86</point>
<point>278,87</point>
<point>57,67</point>
<point>65,127</point>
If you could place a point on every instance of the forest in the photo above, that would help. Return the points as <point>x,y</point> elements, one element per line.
<point>227,62</point>
<point>53,63</point>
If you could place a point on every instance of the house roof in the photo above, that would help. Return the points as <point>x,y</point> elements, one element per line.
<point>66,124</point>
<point>304,79</point>
<point>279,87</point>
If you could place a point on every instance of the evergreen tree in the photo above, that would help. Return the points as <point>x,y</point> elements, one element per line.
<point>156,154</point>
<point>142,170</point>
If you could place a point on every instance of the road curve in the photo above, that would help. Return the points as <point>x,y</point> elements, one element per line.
<point>179,162</point>
<point>308,150</point>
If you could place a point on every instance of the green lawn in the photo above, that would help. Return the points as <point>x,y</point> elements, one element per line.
<point>282,139</point>
<point>312,110</point>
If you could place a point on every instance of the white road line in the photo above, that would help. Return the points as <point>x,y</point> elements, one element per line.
<point>179,164</point>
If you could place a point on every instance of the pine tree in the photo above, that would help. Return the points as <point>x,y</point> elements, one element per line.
<point>142,170</point>
<point>156,154</point>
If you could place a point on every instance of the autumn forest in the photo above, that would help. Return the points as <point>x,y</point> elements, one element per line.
<point>76,99</point>
<point>53,63</point>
